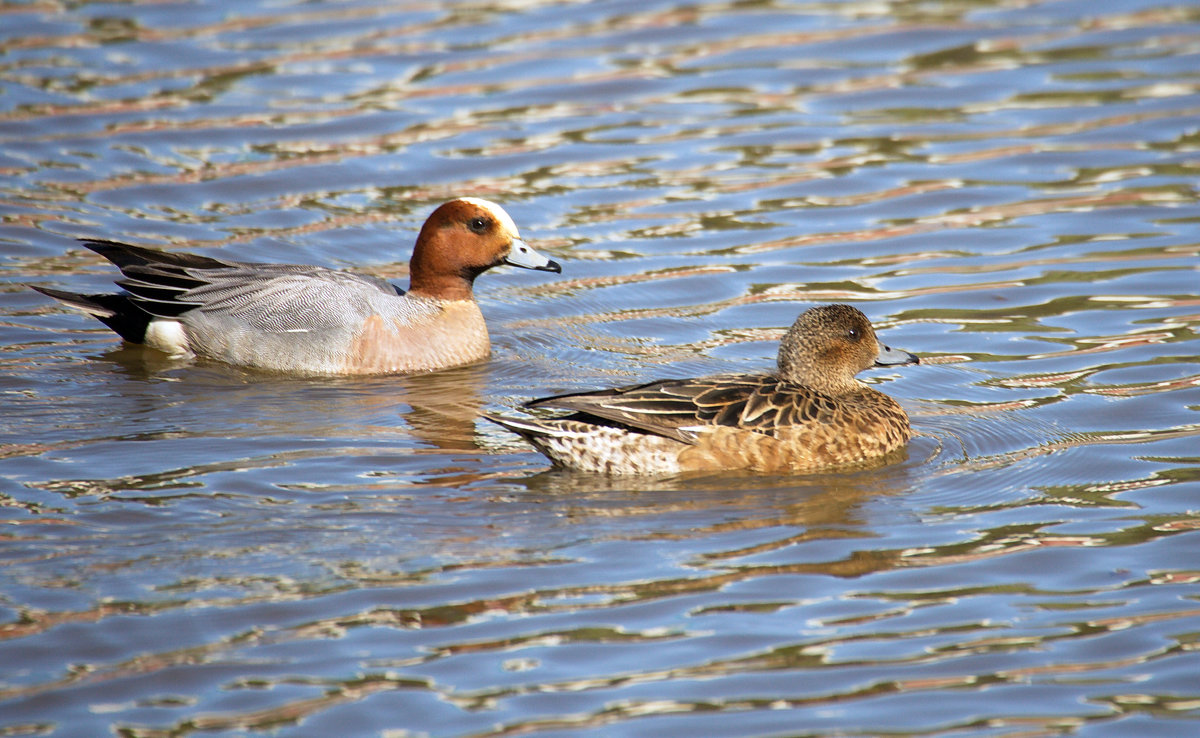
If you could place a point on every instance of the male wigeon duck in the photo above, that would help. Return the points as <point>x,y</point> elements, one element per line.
<point>810,415</point>
<point>313,320</point>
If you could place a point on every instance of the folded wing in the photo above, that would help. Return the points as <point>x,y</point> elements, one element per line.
<point>680,409</point>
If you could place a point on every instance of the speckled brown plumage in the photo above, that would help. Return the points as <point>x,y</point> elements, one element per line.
<point>812,414</point>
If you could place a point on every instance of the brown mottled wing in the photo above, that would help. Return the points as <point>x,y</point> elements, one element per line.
<point>672,408</point>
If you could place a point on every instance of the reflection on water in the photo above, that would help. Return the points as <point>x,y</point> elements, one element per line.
<point>1008,189</point>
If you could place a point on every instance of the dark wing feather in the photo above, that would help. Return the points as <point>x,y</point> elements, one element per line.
<point>165,292</point>
<point>127,255</point>
<point>771,405</point>
<point>157,280</point>
<point>273,296</point>
<point>670,407</point>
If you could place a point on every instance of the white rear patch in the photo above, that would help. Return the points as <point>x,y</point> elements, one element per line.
<point>497,212</point>
<point>167,336</point>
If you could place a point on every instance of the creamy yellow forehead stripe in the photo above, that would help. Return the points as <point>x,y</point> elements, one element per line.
<point>497,212</point>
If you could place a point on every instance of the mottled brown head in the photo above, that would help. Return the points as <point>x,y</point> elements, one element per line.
<point>462,239</point>
<point>828,345</point>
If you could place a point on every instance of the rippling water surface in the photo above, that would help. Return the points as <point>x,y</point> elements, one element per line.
<point>1007,188</point>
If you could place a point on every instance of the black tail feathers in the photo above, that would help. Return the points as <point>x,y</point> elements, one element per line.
<point>116,311</point>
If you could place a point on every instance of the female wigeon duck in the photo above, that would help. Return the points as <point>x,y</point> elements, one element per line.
<point>812,414</point>
<point>313,320</point>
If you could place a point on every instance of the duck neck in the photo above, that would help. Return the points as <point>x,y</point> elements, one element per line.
<point>431,276</point>
<point>829,386</point>
<point>836,387</point>
<point>441,286</point>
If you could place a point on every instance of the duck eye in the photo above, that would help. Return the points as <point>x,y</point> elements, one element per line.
<point>852,334</point>
<point>478,225</point>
